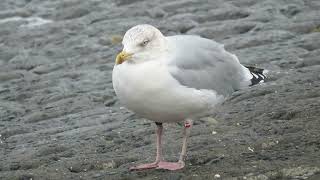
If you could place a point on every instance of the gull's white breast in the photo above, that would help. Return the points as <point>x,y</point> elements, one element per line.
<point>149,90</point>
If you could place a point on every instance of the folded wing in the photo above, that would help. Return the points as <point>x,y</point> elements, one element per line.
<point>205,64</point>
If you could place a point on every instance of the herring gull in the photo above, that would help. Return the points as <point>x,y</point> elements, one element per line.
<point>169,79</point>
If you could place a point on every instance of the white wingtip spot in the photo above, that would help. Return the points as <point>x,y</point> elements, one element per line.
<point>256,76</point>
<point>265,71</point>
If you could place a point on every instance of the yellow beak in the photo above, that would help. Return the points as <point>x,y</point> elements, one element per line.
<point>122,56</point>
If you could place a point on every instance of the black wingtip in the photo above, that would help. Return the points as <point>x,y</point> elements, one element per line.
<point>257,75</point>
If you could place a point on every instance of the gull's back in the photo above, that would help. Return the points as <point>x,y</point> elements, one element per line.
<point>204,64</point>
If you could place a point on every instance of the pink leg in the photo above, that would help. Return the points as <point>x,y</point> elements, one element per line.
<point>180,164</point>
<point>186,132</point>
<point>159,152</point>
<point>159,163</point>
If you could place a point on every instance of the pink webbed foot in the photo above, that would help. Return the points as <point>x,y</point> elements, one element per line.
<point>172,166</point>
<point>144,166</point>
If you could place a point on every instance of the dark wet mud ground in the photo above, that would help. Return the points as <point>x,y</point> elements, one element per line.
<point>60,119</point>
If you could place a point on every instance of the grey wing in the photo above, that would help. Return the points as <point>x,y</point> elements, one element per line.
<point>204,64</point>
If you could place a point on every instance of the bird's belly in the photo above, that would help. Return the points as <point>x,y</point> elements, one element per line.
<point>154,95</point>
<point>155,108</point>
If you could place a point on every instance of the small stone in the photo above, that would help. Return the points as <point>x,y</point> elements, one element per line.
<point>44,69</point>
<point>75,168</point>
<point>217,176</point>
<point>110,102</point>
<point>211,120</point>
<point>97,175</point>
<point>109,165</point>
<point>251,149</point>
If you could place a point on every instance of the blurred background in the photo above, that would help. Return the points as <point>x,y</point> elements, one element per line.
<point>60,118</point>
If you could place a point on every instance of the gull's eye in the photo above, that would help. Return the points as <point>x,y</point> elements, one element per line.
<point>144,43</point>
